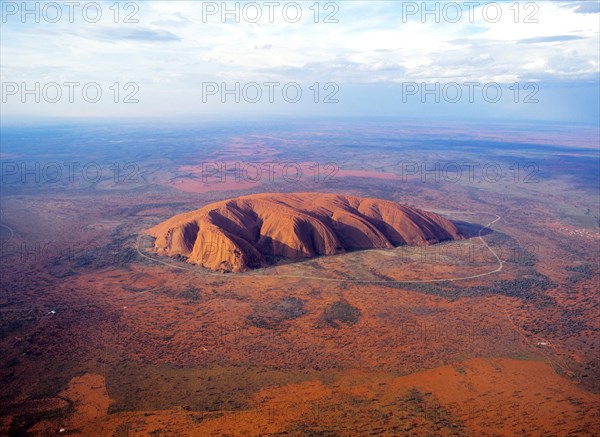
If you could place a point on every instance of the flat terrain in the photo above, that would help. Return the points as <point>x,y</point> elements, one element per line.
<point>496,334</point>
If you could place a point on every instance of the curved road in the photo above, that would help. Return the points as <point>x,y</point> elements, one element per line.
<point>12,234</point>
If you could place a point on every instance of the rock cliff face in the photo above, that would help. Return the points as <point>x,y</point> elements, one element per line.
<point>250,231</point>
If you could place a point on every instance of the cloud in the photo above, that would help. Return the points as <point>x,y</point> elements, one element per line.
<point>141,35</point>
<point>175,19</point>
<point>382,66</point>
<point>585,7</point>
<point>174,49</point>
<point>546,39</point>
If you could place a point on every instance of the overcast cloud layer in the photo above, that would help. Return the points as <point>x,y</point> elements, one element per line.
<point>370,52</point>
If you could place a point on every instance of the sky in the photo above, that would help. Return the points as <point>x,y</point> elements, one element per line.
<point>450,60</point>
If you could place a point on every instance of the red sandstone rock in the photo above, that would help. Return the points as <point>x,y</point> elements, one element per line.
<point>242,233</point>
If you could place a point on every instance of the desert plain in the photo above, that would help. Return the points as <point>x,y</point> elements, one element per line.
<point>496,333</point>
